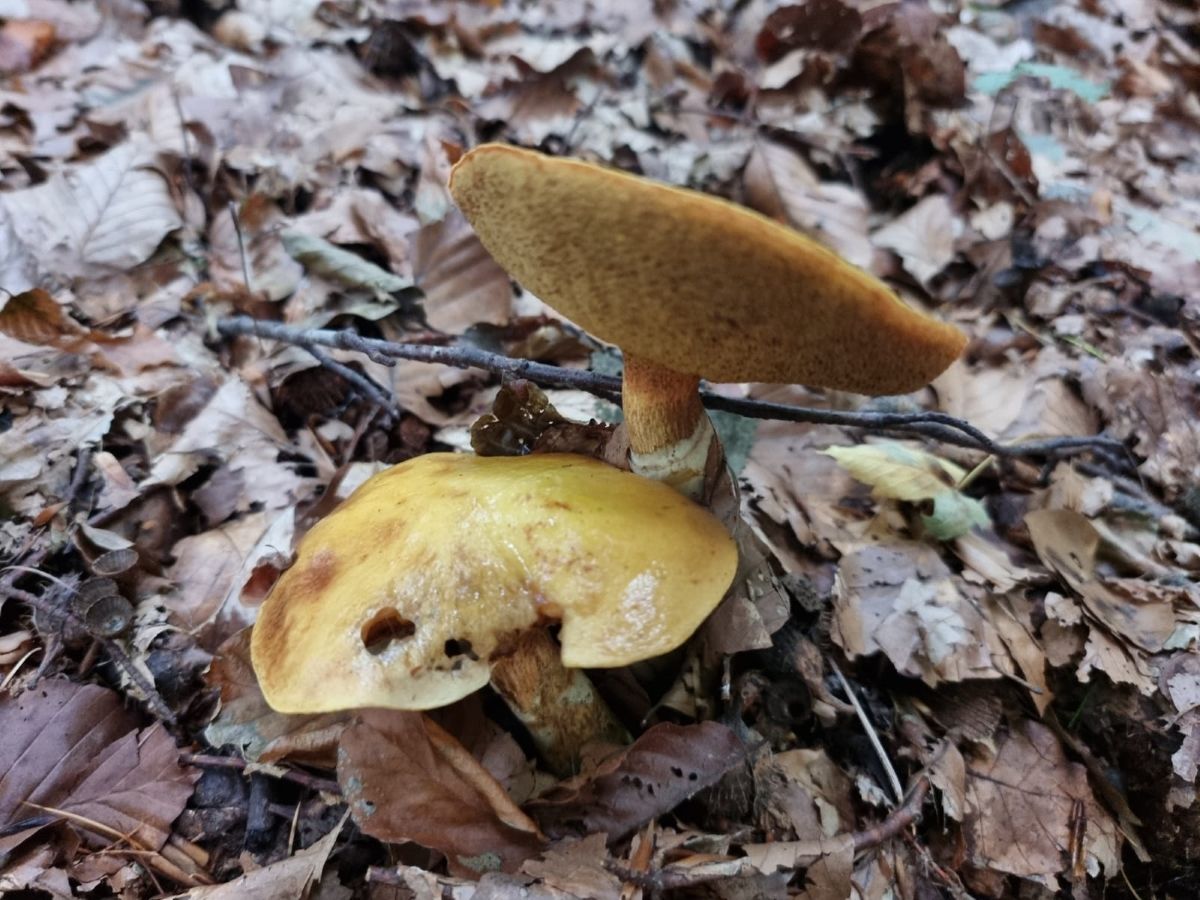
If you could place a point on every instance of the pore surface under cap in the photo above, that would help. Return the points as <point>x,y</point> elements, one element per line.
<point>691,282</point>
<point>399,597</point>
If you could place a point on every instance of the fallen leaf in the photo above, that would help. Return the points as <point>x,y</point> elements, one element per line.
<point>662,768</point>
<point>73,749</point>
<point>24,43</point>
<point>805,793</point>
<point>246,251</point>
<point>463,285</point>
<point>1020,801</point>
<point>35,318</point>
<point>577,869</point>
<point>924,237</point>
<point>112,212</point>
<point>769,858</point>
<point>1068,543</point>
<point>222,575</point>
<point>780,184</point>
<point>340,266</point>
<point>905,473</point>
<point>233,426</point>
<point>901,600</point>
<point>401,788</point>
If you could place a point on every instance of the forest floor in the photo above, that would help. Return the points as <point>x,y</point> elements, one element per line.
<point>975,670</point>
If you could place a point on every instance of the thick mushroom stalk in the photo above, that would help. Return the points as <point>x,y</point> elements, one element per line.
<point>671,438</point>
<point>441,574</point>
<point>559,707</point>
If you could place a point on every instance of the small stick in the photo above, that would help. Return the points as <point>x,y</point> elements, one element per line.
<point>237,228</point>
<point>360,383</point>
<point>303,779</point>
<point>893,779</point>
<point>935,425</point>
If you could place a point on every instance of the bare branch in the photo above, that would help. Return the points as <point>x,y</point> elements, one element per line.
<point>934,425</point>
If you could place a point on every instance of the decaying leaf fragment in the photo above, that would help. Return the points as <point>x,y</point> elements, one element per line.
<point>662,768</point>
<point>1020,804</point>
<point>1068,543</point>
<point>901,599</point>
<point>402,785</point>
<point>111,212</point>
<point>906,473</point>
<point>73,749</point>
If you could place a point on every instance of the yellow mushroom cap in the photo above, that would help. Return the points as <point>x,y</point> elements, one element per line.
<point>399,597</point>
<point>692,282</point>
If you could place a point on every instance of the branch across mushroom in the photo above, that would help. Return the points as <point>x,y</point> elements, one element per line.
<point>691,286</point>
<point>439,569</point>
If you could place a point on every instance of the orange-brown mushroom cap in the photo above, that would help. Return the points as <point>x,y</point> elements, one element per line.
<point>692,282</point>
<point>399,597</point>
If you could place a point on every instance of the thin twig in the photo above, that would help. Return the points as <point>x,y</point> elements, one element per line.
<point>237,228</point>
<point>899,819</point>
<point>935,425</point>
<point>872,736</point>
<point>303,779</point>
<point>367,388</point>
<point>79,479</point>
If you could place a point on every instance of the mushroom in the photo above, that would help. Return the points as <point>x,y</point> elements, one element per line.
<point>691,286</point>
<point>440,574</point>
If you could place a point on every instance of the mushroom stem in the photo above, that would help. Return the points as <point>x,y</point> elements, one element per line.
<point>671,438</point>
<point>559,706</point>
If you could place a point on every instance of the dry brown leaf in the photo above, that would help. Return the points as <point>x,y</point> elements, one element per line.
<point>830,877</point>
<point>1019,403</point>
<point>463,285</point>
<point>24,43</point>
<point>37,452</point>
<point>901,599</point>
<point>988,560</point>
<point>1013,617</point>
<point>1068,543</point>
<point>1158,410</point>
<point>233,427</point>
<point>73,748</point>
<point>1020,803</point>
<point>769,858</point>
<point>401,788</point>
<point>805,793</point>
<point>112,212</point>
<point>801,488</point>
<point>222,575</point>
<point>577,869</point>
<point>272,271</point>
<point>662,768</point>
<point>539,104</point>
<point>35,318</point>
<point>924,237</point>
<point>24,364</point>
<point>1122,663</point>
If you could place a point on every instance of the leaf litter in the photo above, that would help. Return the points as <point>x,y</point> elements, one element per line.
<point>1021,637</point>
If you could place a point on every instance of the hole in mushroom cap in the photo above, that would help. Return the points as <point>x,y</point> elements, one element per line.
<point>385,628</point>
<point>454,647</point>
